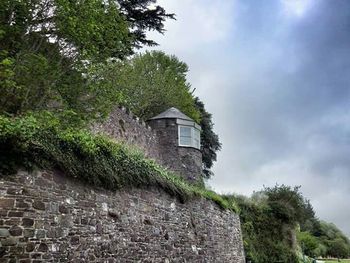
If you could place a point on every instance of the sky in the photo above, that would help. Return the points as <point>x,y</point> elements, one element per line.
<point>275,74</point>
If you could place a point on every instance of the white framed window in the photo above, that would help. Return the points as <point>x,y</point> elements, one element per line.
<point>189,137</point>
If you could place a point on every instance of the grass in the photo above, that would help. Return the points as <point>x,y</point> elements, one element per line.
<point>30,143</point>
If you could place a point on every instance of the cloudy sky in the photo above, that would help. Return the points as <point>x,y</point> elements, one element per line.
<point>275,74</point>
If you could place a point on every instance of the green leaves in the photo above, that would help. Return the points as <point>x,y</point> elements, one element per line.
<point>151,83</point>
<point>210,143</point>
<point>50,52</point>
<point>95,29</point>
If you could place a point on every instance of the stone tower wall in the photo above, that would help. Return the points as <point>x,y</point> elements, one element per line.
<point>186,161</point>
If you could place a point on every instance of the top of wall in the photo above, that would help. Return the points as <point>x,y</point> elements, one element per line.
<point>122,125</point>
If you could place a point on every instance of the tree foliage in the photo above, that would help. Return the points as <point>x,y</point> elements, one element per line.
<point>142,18</point>
<point>210,143</point>
<point>49,49</point>
<point>279,221</point>
<point>151,83</point>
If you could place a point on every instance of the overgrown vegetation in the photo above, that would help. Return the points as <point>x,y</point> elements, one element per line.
<point>40,141</point>
<point>77,60</point>
<point>279,225</point>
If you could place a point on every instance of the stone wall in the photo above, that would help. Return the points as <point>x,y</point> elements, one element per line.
<point>122,125</point>
<point>47,217</point>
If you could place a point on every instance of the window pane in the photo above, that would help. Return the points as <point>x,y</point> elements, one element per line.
<point>186,141</point>
<point>185,131</point>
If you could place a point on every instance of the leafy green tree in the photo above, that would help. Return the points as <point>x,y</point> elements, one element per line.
<point>266,237</point>
<point>309,243</point>
<point>210,143</point>
<point>289,204</point>
<point>151,83</point>
<point>338,248</point>
<point>49,51</point>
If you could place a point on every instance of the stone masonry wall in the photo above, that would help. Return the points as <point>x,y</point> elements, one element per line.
<point>122,125</point>
<point>47,217</point>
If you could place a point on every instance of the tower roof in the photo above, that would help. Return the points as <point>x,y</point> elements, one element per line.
<point>172,113</point>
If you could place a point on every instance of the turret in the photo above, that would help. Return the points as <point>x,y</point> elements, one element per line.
<point>179,143</point>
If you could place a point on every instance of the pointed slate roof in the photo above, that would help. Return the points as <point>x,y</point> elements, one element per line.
<point>172,113</point>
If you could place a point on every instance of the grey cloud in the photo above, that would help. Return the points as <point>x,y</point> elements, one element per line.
<point>279,90</point>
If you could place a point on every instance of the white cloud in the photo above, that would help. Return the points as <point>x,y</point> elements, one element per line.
<point>296,8</point>
<point>197,23</point>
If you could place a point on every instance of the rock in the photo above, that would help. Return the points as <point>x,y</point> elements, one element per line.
<point>10,241</point>
<point>28,232</point>
<point>27,222</point>
<point>40,233</point>
<point>63,209</point>
<point>15,214</point>
<point>16,231</point>
<point>74,240</point>
<point>4,232</point>
<point>39,205</point>
<point>7,203</point>
<point>30,247</point>
<point>113,213</point>
<point>43,248</point>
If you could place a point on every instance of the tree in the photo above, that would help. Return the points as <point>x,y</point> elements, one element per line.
<point>210,143</point>
<point>338,248</point>
<point>151,83</point>
<point>289,204</point>
<point>308,242</point>
<point>49,50</point>
<point>141,18</point>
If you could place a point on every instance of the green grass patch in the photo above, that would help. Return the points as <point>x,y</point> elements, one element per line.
<point>31,142</point>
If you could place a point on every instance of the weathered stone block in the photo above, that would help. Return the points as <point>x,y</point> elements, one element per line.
<point>43,247</point>
<point>74,240</point>
<point>9,241</point>
<point>40,233</point>
<point>3,251</point>
<point>16,231</point>
<point>15,214</point>
<point>14,191</point>
<point>21,204</point>
<point>39,205</point>
<point>6,203</point>
<point>27,260</point>
<point>63,209</point>
<point>30,247</point>
<point>4,232</point>
<point>28,232</point>
<point>27,222</point>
